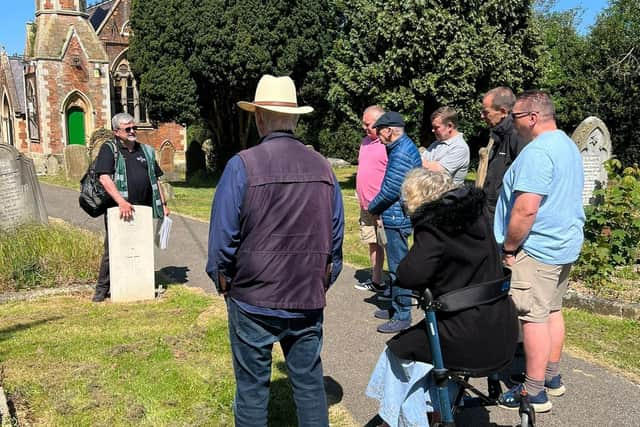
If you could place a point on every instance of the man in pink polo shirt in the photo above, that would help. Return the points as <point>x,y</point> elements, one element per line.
<point>372,163</point>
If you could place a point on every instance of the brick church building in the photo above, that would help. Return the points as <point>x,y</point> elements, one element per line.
<point>73,77</point>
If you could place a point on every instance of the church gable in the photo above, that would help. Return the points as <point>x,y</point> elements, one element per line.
<point>114,27</point>
<point>53,33</point>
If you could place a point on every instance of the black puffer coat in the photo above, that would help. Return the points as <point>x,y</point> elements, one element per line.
<point>453,248</point>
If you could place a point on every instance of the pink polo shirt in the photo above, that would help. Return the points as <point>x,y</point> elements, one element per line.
<point>372,163</point>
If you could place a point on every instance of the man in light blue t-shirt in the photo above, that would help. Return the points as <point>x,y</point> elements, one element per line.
<point>539,219</point>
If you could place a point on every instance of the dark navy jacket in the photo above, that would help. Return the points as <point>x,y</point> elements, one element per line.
<point>402,157</point>
<point>277,223</point>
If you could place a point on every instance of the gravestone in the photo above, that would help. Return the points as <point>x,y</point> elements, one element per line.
<point>76,161</point>
<point>594,142</point>
<point>21,199</point>
<point>131,268</point>
<point>53,166</point>
<point>98,137</point>
<point>166,160</point>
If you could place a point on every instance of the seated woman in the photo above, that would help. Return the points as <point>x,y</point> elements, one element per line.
<point>453,248</point>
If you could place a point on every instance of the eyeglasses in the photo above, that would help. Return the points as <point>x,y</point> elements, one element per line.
<point>521,114</point>
<point>129,129</point>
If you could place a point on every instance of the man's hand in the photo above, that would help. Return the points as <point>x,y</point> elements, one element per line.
<point>165,209</point>
<point>126,210</point>
<point>508,260</point>
<point>378,221</point>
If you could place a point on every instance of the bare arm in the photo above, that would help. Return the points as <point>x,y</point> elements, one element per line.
<point>432,165</point>
<point>523,215</point>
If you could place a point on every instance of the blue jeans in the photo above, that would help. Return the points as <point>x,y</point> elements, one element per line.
<point>397,249</point>
<point>252,337</point>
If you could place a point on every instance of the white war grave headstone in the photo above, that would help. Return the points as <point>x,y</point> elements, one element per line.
<point>594,142</point>
<point>131,267</point>
<point>21,199</point>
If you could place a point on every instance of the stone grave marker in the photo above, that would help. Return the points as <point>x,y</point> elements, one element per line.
<point>594,142</point>
<point>76,161</point>
<point>53,166</point>
<point>131,266</point>
<point>166,160</point>
<point>21,199</point>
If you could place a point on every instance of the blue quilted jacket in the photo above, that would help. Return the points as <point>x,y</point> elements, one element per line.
<point>402,157</point>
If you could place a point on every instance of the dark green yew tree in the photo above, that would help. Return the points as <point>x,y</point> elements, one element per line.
<point>196,58</point>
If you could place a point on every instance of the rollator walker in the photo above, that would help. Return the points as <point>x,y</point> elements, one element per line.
<point>467,396</point>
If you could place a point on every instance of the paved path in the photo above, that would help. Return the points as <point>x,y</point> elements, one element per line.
<point>595,396</point>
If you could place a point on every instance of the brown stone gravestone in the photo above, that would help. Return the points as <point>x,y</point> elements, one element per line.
<point>167,154</point>
<point>20,193</point>
<point>76,161</point>
<point>594,142</point>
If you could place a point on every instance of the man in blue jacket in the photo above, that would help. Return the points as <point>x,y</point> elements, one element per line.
<point>402,157</point>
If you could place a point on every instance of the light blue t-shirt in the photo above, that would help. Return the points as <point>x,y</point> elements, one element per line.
<point>550,166</point>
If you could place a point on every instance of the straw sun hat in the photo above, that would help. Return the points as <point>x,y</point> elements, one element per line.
<point>275,94</point>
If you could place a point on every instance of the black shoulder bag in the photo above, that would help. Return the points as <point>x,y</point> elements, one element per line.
<point>93,199</point>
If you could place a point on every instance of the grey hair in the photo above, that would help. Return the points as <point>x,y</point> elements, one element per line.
<point>503,97</point>
<point>120,118</point>
<point>375,110</point>
<point>538,100</point>
<point>274,121</point>
<point>423,186</point>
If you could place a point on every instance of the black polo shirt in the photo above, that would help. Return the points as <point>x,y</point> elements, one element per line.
<point>138,183</point>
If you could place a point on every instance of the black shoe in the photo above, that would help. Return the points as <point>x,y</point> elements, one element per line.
<point>100,295</point>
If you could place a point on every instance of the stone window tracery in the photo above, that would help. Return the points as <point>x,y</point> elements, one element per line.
<point>124,93</point>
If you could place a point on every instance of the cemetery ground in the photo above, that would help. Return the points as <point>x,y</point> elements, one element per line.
<point>66,361</point>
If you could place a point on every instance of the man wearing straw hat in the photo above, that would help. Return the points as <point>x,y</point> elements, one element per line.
<point>275,247</point>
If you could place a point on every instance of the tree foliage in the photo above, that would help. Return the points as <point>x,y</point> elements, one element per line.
<point>615,43</point>
<point>416,55</point>
<point>195,59</point>
<point>565,64</point>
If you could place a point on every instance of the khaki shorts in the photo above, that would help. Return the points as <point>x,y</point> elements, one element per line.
<point>367,227</point>
<point>537,289</point>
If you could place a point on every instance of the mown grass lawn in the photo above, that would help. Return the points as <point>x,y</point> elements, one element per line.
<point>68,362</point>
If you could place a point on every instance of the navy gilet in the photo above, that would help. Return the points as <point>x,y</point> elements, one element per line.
<point>285,226</point>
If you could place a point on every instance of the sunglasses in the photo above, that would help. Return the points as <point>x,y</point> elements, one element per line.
<point>129,129</point>
<point>521,114</point>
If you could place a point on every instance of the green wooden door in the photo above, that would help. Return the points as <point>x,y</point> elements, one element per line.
<point>75,125</point>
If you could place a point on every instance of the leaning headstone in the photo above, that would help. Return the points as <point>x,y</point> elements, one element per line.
<point>594,142</point>
<point>76,161</point>
<point>131,268</point>
<point>21,199</point>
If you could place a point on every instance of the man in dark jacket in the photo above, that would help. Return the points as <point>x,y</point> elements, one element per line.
<point>402,156</point>
<point>496,108</point>
<point>275,247</point>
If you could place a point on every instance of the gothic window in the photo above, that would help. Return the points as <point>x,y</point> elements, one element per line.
<point>32,112</point>
<point>124,93</point>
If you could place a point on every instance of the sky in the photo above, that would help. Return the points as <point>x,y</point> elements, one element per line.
<point>15,13</point>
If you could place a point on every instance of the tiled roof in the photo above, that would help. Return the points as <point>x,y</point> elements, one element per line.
<point>98,12</point>
<point>17,71</point>
<point>52,35</point>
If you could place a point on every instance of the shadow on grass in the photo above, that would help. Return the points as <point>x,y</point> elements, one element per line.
<point>282,407</point>
<point>7,333</point>
<point>172,275</point>
<point>348,182</point>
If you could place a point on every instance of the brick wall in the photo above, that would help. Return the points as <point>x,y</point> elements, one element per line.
<point>73,75</point>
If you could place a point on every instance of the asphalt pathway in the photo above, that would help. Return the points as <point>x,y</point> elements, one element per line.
<point>595,396</point>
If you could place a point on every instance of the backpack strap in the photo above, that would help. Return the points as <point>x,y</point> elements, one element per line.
<point>474,295</point>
